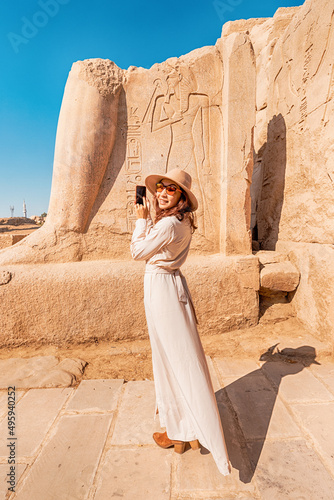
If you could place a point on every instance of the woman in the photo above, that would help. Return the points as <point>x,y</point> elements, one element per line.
<point>185,397</point>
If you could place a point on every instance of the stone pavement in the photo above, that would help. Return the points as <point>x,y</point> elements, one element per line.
<point>95,441</point>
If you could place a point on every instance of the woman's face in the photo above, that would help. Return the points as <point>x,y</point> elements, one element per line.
<point>166,200</point>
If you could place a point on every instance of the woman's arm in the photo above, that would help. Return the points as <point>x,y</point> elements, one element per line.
<point>146,244</point>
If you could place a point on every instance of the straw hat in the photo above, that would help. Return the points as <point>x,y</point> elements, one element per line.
<point>180,177</point>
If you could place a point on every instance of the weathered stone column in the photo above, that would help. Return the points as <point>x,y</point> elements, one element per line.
<point>238,105</point>
<point>85,138</point>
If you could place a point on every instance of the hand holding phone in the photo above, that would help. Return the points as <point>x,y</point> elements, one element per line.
<point>140,194</point>
<point>142,204</point>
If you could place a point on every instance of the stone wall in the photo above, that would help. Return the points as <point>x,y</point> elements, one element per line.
<point>80,302</point>
<point>294,123</point>
<point>251,119</point>
<point>293,176</point>
<point>313,300</point>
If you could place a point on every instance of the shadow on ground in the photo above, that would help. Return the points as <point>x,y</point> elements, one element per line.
<point>246,405</point>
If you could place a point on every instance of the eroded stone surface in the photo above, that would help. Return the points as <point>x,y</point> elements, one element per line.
<point>279,276</point>
<point>131,473</point>
<point>134,424</point>
<point>96,395</point>
<point>83,301</point>
<point>300,385</point>
<point>315,420</point>
<point>5,277</point>
<point>72,453</point>
<point>291,469</point>
<point>34,415</point>
<point>40,371</point>
<point>261,414</point>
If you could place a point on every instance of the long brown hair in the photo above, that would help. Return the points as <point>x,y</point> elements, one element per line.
<point>182,211</point>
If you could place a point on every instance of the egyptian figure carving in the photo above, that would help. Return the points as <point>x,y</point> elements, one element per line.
<point>177,107</point>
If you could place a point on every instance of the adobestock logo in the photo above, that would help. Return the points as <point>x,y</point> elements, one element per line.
<point>31,27</point>
<point>226,7</point>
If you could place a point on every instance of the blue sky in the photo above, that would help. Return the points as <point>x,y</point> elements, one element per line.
<point>40,39</point>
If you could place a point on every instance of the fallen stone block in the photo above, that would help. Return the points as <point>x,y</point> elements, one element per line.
<point>40,371</point>
<point>281,276</point>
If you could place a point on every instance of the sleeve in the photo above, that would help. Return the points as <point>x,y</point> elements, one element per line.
<point>147,239</point>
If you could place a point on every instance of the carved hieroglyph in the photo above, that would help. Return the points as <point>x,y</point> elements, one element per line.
<point>168,117</point>
<point>294,125</point>
<point>115,128</point>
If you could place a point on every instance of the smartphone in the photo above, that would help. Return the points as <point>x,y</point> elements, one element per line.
<point>140,194</point>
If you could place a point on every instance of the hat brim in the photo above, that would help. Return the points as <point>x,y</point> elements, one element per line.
<point>152,179</point>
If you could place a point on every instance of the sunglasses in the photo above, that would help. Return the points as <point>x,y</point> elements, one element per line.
<point>171,189</point>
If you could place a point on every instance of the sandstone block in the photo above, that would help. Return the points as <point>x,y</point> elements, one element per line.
<point>297,200</point>
<point>291,469</point>
<point>270,257</point>
<point>135,473</point>
<point>8,240</point>
<point>96,396</point>
<point>276,312</point>
<point>314,297</point>
<point>302,386</point>
<point>35,414</point>
<point>235,368</point>
<point>238,128</point>
<point>134,424</point>
<point>72,454</point>
<point>78,302</point>
<point>325,372</point>
<point>40,371</point>
<point>316,420</point>
<point>279,276</point>
<point>260,412</point>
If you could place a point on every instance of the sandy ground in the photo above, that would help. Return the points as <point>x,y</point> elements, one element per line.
<point>17,225</point>
<point>131,360</point>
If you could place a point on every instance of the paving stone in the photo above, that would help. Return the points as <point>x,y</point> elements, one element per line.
<point>291,470</point>
<point>66,466</point>
<point>4,470</point>
<point>318,421</point>
<point>197,474</point>
<point>3,404</point>
<point>96,395</point>
<point>326,374</point>
<point>34,415</point>
<point>235,445</point>
<point>4,401</point>
<point>135,473</point>
<point>260,411</point>
<point>243,496</point>
<point>134,423</point>
<point>296,383</point>
<point>213,374</point>
<point>235,368</point>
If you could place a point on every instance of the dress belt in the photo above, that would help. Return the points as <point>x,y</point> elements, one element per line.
<point>181,284</point>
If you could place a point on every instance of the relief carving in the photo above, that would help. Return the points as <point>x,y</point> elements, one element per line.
<point>133,168</point>
<point>177,104</point>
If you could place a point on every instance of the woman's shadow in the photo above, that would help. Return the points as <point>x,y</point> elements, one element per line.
<point>246,405</point>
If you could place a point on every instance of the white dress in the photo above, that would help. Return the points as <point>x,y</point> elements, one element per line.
<point>185,396</point>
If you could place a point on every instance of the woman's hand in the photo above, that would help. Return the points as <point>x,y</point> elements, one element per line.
<point>142,211</point>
